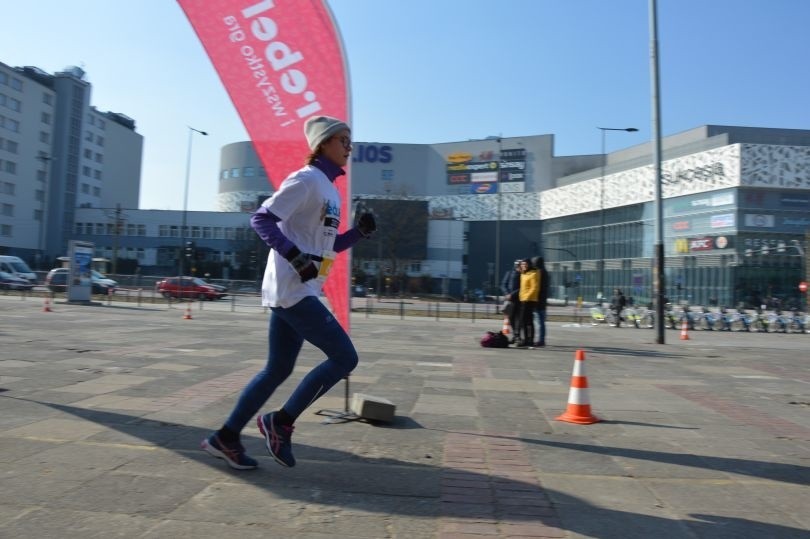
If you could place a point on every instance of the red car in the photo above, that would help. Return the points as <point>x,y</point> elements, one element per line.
<point>190,287</point>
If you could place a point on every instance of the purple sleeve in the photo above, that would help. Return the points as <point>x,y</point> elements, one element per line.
<point>347,239</point>
<point>265,223</point>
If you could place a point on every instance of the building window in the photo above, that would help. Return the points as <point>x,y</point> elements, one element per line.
<point>44,137</point>
<point>5,231</point>
<point>97,174</point>
<point>99,158</point>
<point>85,189</point>
<point>225,174</point>
<point>101,124</point>
<point>16,84</point>
<point>100,229</point>
<point>47,98</point>
<point>88,153</point>
<point>100,140</point>
<point>7,210</point>
<point>96,191</point>
<point>206,232</point>
<point>249,172</point>
<point>141,230</point>
<point>10,167</point>
<point>88,136</point>
<point>39,195</point>
<point>46,118</point>
<point>86,171</point>
<point>234,173</point>
<point>163,231</point>
<point>37,215</point>
<point>7,188</point>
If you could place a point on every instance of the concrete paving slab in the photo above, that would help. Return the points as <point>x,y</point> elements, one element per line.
<point>699,438</point>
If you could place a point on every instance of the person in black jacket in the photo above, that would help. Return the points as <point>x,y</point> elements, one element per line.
<point>510,286</point>
<point>618,304</point>
<point>542,302</point>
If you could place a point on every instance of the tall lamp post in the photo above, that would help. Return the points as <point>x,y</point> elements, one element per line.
<point>191,132</point>
<point>601,291</point>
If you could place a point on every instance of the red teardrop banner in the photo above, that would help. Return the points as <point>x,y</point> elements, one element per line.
<point>281,61</point>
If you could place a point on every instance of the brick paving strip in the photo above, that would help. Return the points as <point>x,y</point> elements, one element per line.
<point>740,412</point>
<point>198,396</point>
<point>490,489</point>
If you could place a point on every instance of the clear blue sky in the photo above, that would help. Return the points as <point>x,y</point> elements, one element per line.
<point>426,71</point>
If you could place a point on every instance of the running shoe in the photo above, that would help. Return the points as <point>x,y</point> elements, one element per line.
<point>277,438</point>
<point>234,454</point>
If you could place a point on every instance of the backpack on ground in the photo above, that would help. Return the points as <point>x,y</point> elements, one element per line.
<point>495,340</point>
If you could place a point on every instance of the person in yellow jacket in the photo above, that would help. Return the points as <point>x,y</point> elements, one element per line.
<point>529,295</point>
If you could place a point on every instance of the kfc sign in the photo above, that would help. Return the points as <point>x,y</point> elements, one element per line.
<point>701,244</point>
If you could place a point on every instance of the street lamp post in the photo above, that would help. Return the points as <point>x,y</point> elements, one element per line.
<point>601,291</point>
<point>191,132</point>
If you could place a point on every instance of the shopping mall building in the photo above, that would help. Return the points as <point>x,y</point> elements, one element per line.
<point>453,216</point>
<point>736,213</point>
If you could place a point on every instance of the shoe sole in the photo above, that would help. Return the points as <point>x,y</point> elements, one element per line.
<point>266,433</point>
<point>214,452</point>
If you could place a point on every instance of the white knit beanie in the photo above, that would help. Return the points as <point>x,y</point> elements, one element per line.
<point>319,128</point>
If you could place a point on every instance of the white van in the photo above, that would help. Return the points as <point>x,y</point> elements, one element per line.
<point>17,266</point>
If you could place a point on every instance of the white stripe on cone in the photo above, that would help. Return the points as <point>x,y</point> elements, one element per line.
<point>578,395</point>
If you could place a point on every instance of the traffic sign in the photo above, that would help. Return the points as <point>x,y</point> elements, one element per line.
<point>803,286</point>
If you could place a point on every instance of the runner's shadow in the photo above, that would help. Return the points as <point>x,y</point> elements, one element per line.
<point>390,486</point>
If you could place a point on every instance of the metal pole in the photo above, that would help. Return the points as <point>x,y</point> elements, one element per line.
<point>497,276</point>
<point>602,224</point>
<point>659,212</point>
<point>601,290</point>
<point>191,132</point>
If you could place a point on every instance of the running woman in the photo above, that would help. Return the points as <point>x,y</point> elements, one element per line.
<point>300,224</point>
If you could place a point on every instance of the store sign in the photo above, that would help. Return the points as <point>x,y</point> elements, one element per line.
<point>802,222</point>
<point>459,157</point>
<point>705,243</point>
<point>688,175</point>
<point>759,220</point>
<point>794,201</point>
<point>484,188</point>
<point>722,221</point>
<point>513,187</point>
<point>456,179</point>
<point>681,225</point>
<point>512,176</point>
<point>372,153</point>
<point>484,177</point>
<point>474,166</point>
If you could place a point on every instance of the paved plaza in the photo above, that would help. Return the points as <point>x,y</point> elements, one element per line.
<point>103,408</point>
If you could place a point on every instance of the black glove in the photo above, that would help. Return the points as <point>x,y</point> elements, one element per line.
<point>302,263</point>
<point>366,224</point>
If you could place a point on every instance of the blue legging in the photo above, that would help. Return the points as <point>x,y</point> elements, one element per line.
<point>307,320</point>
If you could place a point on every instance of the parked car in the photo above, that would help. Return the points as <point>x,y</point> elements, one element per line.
<point>56,281</point>
<point>190,287</point>
<point>12,282</point>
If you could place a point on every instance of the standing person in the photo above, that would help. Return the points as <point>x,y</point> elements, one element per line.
<point>510,286</point>
<point>529,294</point>
<point>542,299</point>
<point>300,225</point>
<point>618,304</point>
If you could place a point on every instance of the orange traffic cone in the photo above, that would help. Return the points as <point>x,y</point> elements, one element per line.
<point>507,327</point>
<point>187,316</point>
<point>579,407</point>
<point>46,307</point>
<point>684,330</point>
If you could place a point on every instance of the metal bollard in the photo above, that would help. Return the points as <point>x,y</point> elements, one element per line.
<point>401,310</point>
<point>233,303</point>
<point>473,312</point>
<point>438,308</point>
<point>140,294</point>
